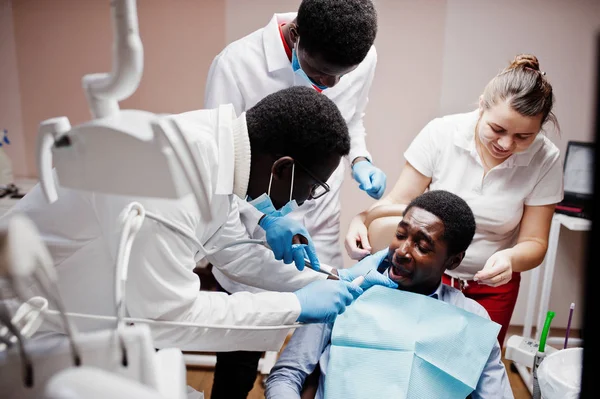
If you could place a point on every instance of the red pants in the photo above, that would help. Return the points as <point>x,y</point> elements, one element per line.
<point>498,301</point>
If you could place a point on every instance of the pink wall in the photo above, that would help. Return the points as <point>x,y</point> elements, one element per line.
<point>59,41</point>
<point>478,43</point>
<point>244,17</point>
<point>10,95</point>
<point>406,88</point>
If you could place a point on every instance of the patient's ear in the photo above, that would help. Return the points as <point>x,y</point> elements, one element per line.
<point>453,261</point>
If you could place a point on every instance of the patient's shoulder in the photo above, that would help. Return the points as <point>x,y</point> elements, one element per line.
<point>458,299</point>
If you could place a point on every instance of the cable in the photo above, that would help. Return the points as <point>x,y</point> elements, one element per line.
<point>184,232</point>
<point>164,323</point>
<point>134,218</point>
<point>57,300</point>
<point>25,359</point>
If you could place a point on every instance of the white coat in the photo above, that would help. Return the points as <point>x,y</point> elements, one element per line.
<point>81,231</point>
<point>257,65</point>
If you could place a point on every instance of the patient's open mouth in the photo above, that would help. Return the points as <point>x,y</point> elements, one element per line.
<point>397,272</point>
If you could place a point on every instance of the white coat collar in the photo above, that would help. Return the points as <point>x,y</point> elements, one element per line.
<point>234,171</point>
<point>464,137</point>
<point>274,50</point>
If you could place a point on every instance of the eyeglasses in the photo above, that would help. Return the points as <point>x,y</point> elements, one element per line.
<point>318,189</point>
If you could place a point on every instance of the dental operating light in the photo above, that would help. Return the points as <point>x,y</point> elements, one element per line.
<point>123,152</point>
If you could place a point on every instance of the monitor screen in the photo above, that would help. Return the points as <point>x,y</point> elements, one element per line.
<point>579,166</point>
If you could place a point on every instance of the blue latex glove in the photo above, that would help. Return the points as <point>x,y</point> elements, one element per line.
<point>321,301</point>
<point>373,278</point>
<point>368,263</point>
<point>370,178</point>
<point>280,233</point>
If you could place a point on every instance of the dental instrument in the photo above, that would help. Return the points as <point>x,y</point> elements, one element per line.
<point>325,269</point>
<point>540,355</point>
<point>359,280</point>
<point>571,308</point>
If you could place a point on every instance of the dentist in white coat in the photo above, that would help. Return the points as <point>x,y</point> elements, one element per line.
<point>242,154</point>
<point>327,46</point>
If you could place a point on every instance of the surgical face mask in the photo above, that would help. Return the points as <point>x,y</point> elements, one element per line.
<point>298,69</point>
<point>264,204</point>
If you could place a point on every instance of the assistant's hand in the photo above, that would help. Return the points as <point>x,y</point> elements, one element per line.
<point>497,270</point>
<point>363,267</point>
<point>289,240</point>
<point>370,178</point>
<point>357,239</point>
<point>321,301</point>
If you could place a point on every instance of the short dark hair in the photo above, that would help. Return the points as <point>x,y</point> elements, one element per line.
<point>454,212</point>
<point>298,122</point>
<point>341,31</point>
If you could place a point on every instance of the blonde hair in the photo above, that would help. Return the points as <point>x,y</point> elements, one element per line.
<point>525,88</point>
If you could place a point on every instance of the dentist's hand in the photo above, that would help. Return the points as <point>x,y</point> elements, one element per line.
<point>321,301</point>
<point>363,267</point>
<point>374,278</point>
<point>289,240</point>
<point>370,178</point>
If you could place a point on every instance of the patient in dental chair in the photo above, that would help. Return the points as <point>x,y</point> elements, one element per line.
<point>424,340</point>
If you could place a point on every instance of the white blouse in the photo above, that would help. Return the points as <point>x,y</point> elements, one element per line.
<point>445,151</point>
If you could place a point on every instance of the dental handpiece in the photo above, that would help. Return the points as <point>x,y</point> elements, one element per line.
<point>328,270</point>
<point>325,269</point>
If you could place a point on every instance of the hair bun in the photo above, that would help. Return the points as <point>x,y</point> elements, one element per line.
<point>525,61</point>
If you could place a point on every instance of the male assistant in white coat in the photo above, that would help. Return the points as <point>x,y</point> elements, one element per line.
<point>328,46</point>
<point>242,153</point>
